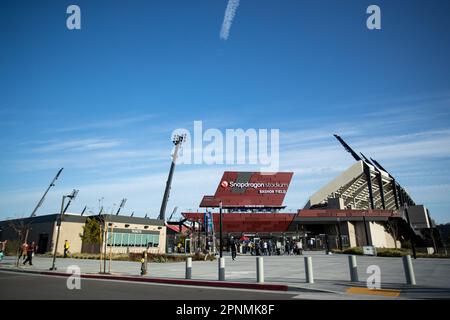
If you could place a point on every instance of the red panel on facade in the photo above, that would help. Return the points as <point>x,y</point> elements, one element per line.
<point>250,189</point>
<point>247,222</point>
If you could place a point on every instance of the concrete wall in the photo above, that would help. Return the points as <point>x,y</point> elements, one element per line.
<point>70,231</point>
<point>419,217</point>
<point>351,234</point>
<point>380,237</point>
<point>360,233</point>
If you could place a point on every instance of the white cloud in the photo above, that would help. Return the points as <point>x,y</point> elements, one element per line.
<point>230,12</point>
<point>108,124</point>
<point>77,145</point>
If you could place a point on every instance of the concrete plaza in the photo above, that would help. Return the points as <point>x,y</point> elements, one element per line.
<point>331,273</point>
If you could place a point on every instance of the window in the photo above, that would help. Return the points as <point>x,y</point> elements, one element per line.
<point>155,240</point>
<point>117,239</point>
<point>131,240</point>
<point>125,237</point>
<point>138,240</point>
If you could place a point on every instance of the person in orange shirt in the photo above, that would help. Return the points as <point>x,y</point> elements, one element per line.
<point>23,252</point>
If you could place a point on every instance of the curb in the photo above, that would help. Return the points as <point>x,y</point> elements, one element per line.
<point>205,283</point>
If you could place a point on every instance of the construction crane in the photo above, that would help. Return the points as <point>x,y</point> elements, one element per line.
<point>52,184</point>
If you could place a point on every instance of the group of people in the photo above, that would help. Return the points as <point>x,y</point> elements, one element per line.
<point>27,252</point>
<point>264,247</point>
<point>29,249</point>
<point>293,247</point>
<point>261,248</point>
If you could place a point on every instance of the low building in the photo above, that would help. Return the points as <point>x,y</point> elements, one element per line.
<point>124,234</point>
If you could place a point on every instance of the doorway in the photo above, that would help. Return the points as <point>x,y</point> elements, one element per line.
<point>42,243</point>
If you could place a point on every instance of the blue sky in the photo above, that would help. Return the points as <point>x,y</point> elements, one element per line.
<point>102,101</point>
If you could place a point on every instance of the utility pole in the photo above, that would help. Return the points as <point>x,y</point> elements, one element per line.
<point>71,197</point>
<point>111,244</point>
<point>177,141</point>
<point>105,242</point>
<point>220,229</point>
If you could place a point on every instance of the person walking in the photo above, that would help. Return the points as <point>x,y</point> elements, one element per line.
<point>30,252</point>
<point>252,248</point>
<point>265,247</point>
<point>300,247</point>
<point>233,248</point>
<point>23,251</point>
<point>66,248</point>
<point>269,247</point>
<point>207,252</point>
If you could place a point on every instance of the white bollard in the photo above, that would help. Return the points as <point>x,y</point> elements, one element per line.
<point>353,268</point>
<point>188,268</point>
<point>221,269</point>
<point>309,270</point>
<point>409,271</point>
<point>259,270</point>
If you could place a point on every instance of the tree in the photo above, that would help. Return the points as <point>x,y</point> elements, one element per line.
<point>21,229</point>
<point>91,232</point>
<point>393,228</point>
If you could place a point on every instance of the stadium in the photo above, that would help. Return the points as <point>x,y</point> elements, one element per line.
<point>363,206</point>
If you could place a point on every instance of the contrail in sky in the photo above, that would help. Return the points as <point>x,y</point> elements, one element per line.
<point>228,18</point>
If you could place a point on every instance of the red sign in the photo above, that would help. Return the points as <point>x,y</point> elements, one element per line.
<point>250,189</point>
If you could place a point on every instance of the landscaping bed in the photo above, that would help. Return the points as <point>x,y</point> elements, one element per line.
<point>136,257</point>
<point>387,252</point>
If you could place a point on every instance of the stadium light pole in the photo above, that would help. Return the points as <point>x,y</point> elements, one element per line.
<point>71,196</point>
<point>220,229</point>
<point>177,141</point>
<point>122,204</point>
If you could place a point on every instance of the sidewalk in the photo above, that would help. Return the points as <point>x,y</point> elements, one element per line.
<point>281,273</point>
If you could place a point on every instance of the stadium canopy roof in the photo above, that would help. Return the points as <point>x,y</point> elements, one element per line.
<point>365,185</point>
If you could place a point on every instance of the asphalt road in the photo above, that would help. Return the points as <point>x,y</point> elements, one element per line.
<point>14,285</point>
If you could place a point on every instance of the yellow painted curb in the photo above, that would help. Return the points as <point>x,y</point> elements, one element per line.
<point>379,292</point>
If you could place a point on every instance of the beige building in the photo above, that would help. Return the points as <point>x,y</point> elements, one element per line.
<point>124,234</point>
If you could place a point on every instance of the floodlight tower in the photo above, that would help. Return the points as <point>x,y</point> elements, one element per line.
<point>122,204</point>
<point>52,184</point>
<point>177,141</point>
